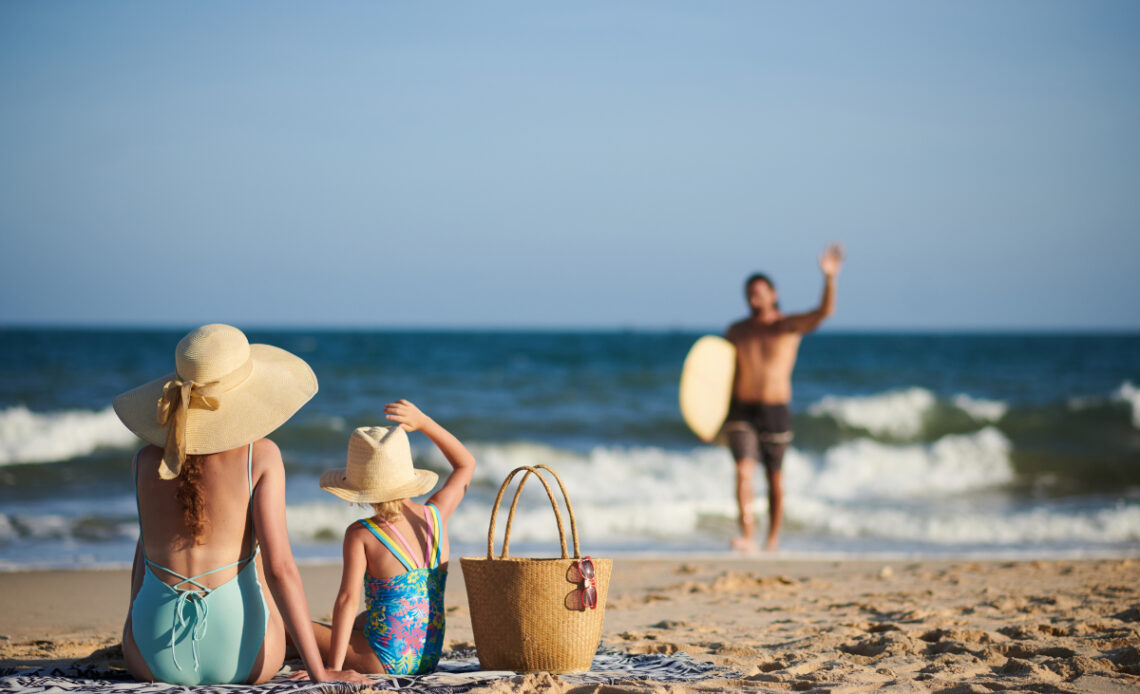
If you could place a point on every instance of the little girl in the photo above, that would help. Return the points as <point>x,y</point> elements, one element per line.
<point>400,554</point>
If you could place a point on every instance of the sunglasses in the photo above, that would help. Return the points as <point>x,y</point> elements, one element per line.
<point>589,585</point>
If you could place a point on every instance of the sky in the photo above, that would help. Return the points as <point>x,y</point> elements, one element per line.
<point>588,164</point>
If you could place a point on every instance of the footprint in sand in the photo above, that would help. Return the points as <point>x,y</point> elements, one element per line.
<point>1071,668</point>
<point>1127,660</point>
<point>1082,628</point>
<point>1132,614</point>
<point>1025,668</point>
<point>948,646</point>
<point>1060,602</point>
<point>1024,631</point>
<point>1114,644</point>
<point>967,635</point>
<point>654,597</point>
<point>1021,650</point>
<point>890,643</point>
<point>733,582</point>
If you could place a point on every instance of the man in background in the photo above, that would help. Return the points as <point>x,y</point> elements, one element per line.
<point>759,422</point>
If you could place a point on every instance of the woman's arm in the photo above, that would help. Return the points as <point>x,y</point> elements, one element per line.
<point>137,569</point>
<point>280,570</point>
<point>462,462</point>
<point>347,598</point>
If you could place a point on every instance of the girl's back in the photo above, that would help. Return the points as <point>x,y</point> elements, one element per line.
<point>398,557</point>
<point>403,587</point>
<point>412,525</point>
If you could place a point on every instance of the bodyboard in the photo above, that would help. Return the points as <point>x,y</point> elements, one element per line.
<point>706,385</point>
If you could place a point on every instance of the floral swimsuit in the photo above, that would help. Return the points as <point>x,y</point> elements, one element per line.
<point>405,613</point>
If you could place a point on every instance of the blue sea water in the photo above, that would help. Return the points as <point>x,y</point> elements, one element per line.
<point>928,444</point>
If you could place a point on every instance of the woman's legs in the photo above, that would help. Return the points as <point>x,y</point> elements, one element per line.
<point>136,664</point>
<point>272,654</point>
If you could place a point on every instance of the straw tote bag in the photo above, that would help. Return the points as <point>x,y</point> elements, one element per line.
<point>527,614</point>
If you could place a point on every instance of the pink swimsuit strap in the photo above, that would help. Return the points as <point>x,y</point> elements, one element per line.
<point>407,546</point>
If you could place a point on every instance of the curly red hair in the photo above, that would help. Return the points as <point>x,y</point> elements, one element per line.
<point>191,497</point>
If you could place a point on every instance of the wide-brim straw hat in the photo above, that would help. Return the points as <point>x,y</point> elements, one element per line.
<point>224,393</point>
<point>379,468</point>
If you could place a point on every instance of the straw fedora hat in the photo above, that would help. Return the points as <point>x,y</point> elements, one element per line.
<point>379,468</point>
<point>224,393</point>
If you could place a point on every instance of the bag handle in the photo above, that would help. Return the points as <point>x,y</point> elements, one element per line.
<point>569,509</point>
<point>514,503</point>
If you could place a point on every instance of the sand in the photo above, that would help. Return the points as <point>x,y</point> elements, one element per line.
<point>782,624</point>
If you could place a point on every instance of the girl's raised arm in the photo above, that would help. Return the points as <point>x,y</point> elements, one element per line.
<point>462,462</point>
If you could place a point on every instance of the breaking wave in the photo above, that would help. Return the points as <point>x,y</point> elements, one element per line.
<point>30,437</point>
<point>645,496</point>
<point>902,414</point>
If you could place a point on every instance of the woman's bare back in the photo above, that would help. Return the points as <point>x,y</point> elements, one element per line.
<point>225,511</point>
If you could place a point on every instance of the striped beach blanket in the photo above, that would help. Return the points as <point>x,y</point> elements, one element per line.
<point>458,671</point>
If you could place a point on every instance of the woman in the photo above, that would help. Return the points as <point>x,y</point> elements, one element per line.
<point>211,500</point>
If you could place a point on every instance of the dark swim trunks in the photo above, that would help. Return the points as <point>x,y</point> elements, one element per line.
<point>759,432</point>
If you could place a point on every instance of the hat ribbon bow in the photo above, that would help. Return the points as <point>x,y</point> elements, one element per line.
<point>176,399</point>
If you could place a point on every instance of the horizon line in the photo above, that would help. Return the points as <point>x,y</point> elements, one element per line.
<point>556,328</point>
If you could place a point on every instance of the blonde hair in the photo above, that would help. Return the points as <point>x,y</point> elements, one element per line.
<point>388,510</point>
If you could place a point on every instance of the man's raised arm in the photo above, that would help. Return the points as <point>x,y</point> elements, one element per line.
<point>830,262</point>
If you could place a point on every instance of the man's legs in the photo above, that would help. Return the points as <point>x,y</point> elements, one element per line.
<point>746,541</point>
<point>773,454</point>
<point>744,442</point>
<point>775,507</point>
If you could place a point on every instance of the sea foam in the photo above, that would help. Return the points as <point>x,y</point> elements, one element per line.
<point>1127,394</point>
<point>945,493</point>
<point>867,469</point>
<point>647,496</point>
<point>901,414</point>
<point>980,409</point>
<point>967,527</point>
<point>7,530</point>
<point>1130,394</point>
<point>896,413</point>
<point>30,437</point>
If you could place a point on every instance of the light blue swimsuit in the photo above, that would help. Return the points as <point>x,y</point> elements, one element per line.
<point>190,634</point>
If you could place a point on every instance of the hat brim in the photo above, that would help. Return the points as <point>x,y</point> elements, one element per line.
<point>279,384</point>
<point>335,482</point>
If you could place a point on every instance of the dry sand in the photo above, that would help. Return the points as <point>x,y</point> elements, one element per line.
<point>784,625</point>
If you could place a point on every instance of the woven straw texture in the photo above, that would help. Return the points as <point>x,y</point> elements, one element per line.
<point>379,468</point>
<point>527,614</point>
<point>520,616</point>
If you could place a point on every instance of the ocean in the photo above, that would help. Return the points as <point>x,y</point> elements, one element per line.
<point>928,444</point>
